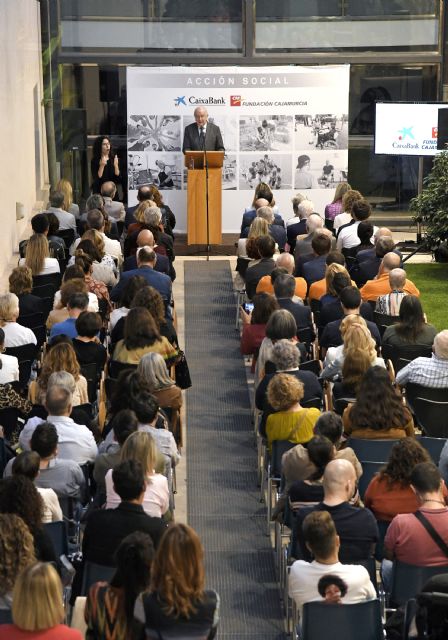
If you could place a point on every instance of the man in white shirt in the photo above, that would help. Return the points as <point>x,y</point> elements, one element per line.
<point>320,536</point>
<point>95,220</point>
<point>76,441</point>
<point>15,334</point>
<point>114,209</point>
<point>348,234</point>
<point>66,220</point>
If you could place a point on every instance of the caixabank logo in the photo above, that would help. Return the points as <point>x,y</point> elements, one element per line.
<point>405,139</point>
<point>185,101</point>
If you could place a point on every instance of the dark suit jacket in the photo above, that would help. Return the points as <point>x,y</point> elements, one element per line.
<point>314,269</point>
<point>302,314</point>
<point>106,528</point>
<point>333,311</point>
<point>249,217</point>
<point>256,272</point>
<point>294,230</point>
<point>331,336</point>
<point>129,218</point>
<point>366,270</point>
<point>162,264</point>
<point>29,305</point>
<point>213,138</point>
<point>159,281</point>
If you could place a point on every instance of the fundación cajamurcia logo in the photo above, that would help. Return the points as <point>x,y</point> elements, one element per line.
<point>235,101</point>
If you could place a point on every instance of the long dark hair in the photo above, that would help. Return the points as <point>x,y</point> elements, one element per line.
<point>412,319</point>
<point>96,151</point>
<point>140,329</point>
<point>133,559</point>
<point>19,495</point>
<point>403,457</point>
<point>378,405</point>
<point>320,452</point>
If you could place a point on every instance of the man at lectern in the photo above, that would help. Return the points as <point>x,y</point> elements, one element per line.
<point>202,133</point>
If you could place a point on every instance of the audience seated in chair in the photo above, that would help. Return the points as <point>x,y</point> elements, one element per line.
<point>262,192</point>
<point>77,303</point>
<point>86,344</point>
<point>303,247</point>
<point>37,257</point>
<point>263,266</point>
<point>390,303</point>
<point>41,224</point>
<point>310,491</point>
<point>355,526</point>
<point>15,334</point>
<point>428,372</point>
<point>76,442</point>
<point>314,269</point>
<point>412,328</point>
<point>284,288</point>
<point>285,261</point>
<point>16,554</point>
<point>348,200</point>
<point>321,538</point>
<point>319,288</point>
<point>66,219</point>
<point>378,412</point>
<point>254,324</point>
<point>380,286</point>
<point>27,464</point>
<point>347,237</point>
<point>356,362</point>
<point>296,226</point>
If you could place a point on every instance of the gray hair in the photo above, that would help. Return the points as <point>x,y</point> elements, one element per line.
<point>152,216</point>
<point>314,222</point>
<point>296,200</point>
<point>285,355</point>
<point>397,279</point>
<point>305,209</point>
<point>286,260</point>
<point>152,368</point>
<point>441,345</point>
<point>266,213</point>
<point>62,379</point>
<point>95,201</point>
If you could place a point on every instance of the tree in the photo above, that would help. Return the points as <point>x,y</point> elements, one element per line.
<point>431,206</point>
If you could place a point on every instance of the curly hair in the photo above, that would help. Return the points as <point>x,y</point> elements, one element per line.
<point>69,288</point>
<point>284,391</point>
<point>403,457</point>
<point>349,199</point>
<point>133,285</point>
<point>129,384</point>
<point>21,280</point>
<point>150,299</point>
<point>16,550</point>
<point>178,571</point>
<point>155,196</point>
<point>330,579</point>
<point>97,151</point>
<point>61,357</point>
<point>264,306</point>
<point>378,404</point>
<point>19,495</point>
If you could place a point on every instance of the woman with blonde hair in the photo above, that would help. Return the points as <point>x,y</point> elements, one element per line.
<point>59,357</point>
<point>16,553</point>
<point>141,447</point>
<point>139,216</point>
<point>37,256</point>
<point>153,369</point>
<point>65,187</point>
<point>291,421</point>
<point>336,279</point>
<point>355,335</point>
<point>258,228</point>
<point>177,604</point>
<point>37,607</point>
<point>15,334</point>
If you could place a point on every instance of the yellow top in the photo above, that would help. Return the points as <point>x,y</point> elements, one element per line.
<point>295,426</point>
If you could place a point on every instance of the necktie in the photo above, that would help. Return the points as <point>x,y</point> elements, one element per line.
<point>201,136</point>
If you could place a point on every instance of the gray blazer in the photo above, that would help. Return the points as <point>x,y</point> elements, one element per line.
<point>213,138</point>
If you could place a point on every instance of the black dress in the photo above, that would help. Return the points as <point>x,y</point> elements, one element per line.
<point>108,174</point>
<point>165,182</point>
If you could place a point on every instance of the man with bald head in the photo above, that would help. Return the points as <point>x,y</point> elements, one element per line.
<point>114,209</point>
<point>355,526</point>
<point>303,245</point>
<point>380,285</point>
<point>367,254</point>
<point>143,193</point>
<point>284,261</point>
<point>389,304</point>
<point>202,134</point>
<point>146,238</point>
<point>368,269</point>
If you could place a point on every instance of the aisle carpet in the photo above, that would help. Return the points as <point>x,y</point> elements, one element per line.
<point>223,501</point>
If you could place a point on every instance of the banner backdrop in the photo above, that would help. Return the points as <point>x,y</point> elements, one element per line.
<point>287,126</point>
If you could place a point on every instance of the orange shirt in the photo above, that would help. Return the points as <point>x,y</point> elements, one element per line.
<point>265,286</point>
<point>380,287</point>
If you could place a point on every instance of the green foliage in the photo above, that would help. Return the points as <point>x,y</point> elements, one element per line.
<point>431,279</point>
<point>431,206</point>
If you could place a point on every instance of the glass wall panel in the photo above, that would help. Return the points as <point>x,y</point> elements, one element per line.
<point>140,25</point>
<point>392,7</point>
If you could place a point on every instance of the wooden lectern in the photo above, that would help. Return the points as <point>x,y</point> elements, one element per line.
<point>196,198</point>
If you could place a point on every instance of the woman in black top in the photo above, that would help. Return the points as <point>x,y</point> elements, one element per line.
<point>302,492</point>
<point>86,344</point>
<point>177,605</point>
<point>104,165</point>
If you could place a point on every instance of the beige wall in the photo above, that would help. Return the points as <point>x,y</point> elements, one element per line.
<point>23,166</point>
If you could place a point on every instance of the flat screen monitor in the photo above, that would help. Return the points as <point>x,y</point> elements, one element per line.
<point>407,128</point>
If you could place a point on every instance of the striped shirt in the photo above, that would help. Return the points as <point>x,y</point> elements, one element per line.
<point>429,372</point>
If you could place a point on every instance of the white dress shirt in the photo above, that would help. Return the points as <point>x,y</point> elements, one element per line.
<point>51,265</point>
<point>9,370</point>
<point>17,336</point>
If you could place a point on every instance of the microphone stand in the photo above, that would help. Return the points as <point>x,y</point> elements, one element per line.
<point>206,194</point>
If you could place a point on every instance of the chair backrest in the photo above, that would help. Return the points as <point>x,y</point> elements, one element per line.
<point>371,450</point>
<point>25,354</point>
<point>402,355</point>
<point>342,622</point>
<point>9,419</point>
<point>54,279</point>
<point>369,469</point>
<point>95,573</point>
<point>430,409</point>
<point>315,366</point>
<point>46,293</point>
<point>59,536</point>
<point>5,616</point>
<point>35,322</point>
<point>90,373</point>
<point>433,446</point>
<point>68,236</point>
<point>340,404</point>
<point>312,402</point>
<point>408,580</point>
<point>116,367</point>
<point>279,447</point>
<point>305,335</point>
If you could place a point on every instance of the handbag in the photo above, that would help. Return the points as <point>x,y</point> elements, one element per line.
<point>182,372</point>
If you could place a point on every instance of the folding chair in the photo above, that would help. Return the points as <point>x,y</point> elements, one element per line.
<point>116,367</point>
<point>408,580</point>
<point>369,470</point>
<point>401,356</point>
<point>92,573</point>
<point>433,446</point>
<point>68,236</point>
<point>346,622</point>
<point>429,407</point>
<point>371,450</point>
<point>274,472</point>
<point>25,354</point>
<point>90,373</point>
<point>35,322</point>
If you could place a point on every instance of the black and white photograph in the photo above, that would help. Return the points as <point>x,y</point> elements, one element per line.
<point>320,169</point>
<point>266,133</point>
<point>162,169</point>
<point>229,173</point>
<point>274,169</point>
<point>228,125</point>
<point>321,131</point>
<point>154,133</point>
